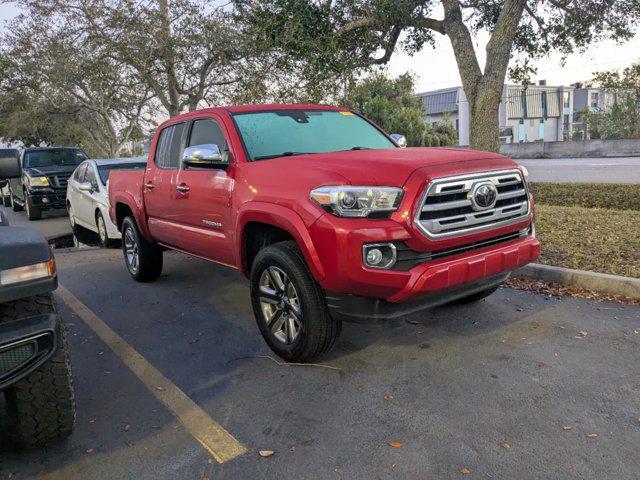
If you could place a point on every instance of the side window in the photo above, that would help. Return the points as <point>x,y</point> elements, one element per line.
<point>207,131</point>
<point>169,148</point>
<point>79,175</point>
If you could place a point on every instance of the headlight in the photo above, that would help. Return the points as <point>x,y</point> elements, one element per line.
<point>349,201</point>
<point>30,272</point>
<point>38,181</point>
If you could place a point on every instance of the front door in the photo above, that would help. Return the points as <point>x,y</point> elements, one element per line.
<point>203,199</point>
<point>159,188</point>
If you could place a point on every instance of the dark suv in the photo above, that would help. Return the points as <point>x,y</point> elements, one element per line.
<point>35,375</point>
<point>42,184</point>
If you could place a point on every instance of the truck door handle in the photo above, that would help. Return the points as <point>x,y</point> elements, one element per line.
<point>183,188</point>
<point>149,185</point>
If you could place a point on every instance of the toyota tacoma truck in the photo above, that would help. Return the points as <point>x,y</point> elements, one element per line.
<point>326,215</point>
<point>35,375</point>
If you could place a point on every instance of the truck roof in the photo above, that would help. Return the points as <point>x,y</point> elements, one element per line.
<point>254,108</point>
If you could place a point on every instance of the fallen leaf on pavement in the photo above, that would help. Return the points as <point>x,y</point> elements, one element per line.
<point>592,435</point>
<point>209,460</point>
<point>465,471</point>
<point>160,389</point>
<point>266,453</point>
<point>388,397</point>
<point>395,444</point>
<point>581,334</point>
<point>89,451</point>
<point>292,449</point>
<point>505,445</point>
<point>566,428</point>
<point>126,428</point>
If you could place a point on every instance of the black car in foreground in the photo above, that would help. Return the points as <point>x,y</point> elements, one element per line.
<point>42,183</point>
<point>35,374</point>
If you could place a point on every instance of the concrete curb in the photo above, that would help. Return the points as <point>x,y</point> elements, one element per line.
<point>598,282</point>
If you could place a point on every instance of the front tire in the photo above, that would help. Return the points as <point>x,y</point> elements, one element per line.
<point>102,230</point>
<point>289,306</point>
<point>142,258</point>
<point>14,204</point>
<point>33,212</point>
<point>41,407</point>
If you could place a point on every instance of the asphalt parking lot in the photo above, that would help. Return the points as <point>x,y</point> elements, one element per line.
<point>514,387</point>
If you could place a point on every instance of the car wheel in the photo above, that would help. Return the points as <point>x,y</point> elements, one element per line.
<point>475,297</point>
<point>33,213</point>
<point>41,407</point>
<point>6,200</point>
<point>289,306</point>
<point>102,230</point>
<point>14,204</point>
<point>72,218</point>
<point>143,259</point>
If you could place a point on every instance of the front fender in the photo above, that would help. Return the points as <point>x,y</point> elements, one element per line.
<point>283,218</point>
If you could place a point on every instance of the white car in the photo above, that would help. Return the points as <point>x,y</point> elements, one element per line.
<point>88,195</point>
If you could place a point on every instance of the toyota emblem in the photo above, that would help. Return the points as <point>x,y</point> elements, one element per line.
<point>483,196</point>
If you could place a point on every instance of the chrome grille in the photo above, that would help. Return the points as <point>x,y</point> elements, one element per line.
<point>447,208</point>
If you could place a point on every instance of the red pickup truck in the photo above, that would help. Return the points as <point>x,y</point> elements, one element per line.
<point>326,215</point>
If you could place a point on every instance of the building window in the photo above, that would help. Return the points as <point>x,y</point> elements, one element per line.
<point>566,96</point>
<point>457,125</point>
<point>594,100</point>
<point>565,122</point>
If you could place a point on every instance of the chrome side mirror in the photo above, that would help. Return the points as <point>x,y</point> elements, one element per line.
<point>86,187</point>
<point>204,156</point>
<point>400,140</point>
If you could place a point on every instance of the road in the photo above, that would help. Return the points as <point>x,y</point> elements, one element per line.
<point>575,170</point>
<point>455,387</point>
<point>53,224</point>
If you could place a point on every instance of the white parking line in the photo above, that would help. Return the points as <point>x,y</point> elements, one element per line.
<point>215,439</point>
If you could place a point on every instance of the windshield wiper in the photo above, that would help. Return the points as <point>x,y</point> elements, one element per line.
<point>356,148</point>
<point>278,155</point>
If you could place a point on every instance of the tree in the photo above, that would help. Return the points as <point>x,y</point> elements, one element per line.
<point>186,52</point>
<point>343,35</point>
<point>392,104</point>
<point>620,117</point>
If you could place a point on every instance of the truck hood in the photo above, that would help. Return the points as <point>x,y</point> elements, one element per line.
<point>50,170</point>
<point>389,167</point>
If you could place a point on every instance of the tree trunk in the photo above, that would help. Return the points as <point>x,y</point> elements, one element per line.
<point>484,121</point>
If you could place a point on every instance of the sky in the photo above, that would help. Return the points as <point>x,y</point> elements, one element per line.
<point>436,68</point>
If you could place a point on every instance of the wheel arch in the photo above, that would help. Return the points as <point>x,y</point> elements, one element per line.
<point>261,224</point>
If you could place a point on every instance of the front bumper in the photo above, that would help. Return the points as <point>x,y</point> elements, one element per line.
<point>28,289</point>
<point>25,344</point>
<point>48,199</point>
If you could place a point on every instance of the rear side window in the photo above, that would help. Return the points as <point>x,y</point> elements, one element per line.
<point>169,148</point>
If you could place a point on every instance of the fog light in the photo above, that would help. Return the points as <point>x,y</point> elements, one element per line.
<point>374,256</point>
<point>379,255</point>
<point>45,199</point>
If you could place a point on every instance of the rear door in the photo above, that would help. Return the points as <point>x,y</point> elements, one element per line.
<point>159,189</point>
<point>203,198</point>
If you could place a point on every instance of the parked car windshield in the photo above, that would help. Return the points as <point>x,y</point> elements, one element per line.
<point>281,133</point>
<point>103,170</point>
<point>53,157</point>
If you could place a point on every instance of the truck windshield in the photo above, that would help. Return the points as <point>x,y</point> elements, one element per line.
<point>53,157</point>
<point>281,133</point>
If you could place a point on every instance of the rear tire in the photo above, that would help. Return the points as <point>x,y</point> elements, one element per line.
<point>293,301</point>
<point>41,407</point>
<point>142,258</point>
<point>33,212</point>
<point>475,297</point>
<point>6,201</point>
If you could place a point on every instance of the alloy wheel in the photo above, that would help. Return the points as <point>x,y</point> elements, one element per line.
<point>102,230</point>
<point>131,249</point>
<point>280,305</point>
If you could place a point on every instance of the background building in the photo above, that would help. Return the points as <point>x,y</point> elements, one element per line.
<point>527,114</point>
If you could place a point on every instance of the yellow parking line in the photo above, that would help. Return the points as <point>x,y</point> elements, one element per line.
<point>207,431</point>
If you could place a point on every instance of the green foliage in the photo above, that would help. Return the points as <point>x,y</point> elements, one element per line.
<point>392,104</point>
<point>620,118</point>
<point>588,195</point>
